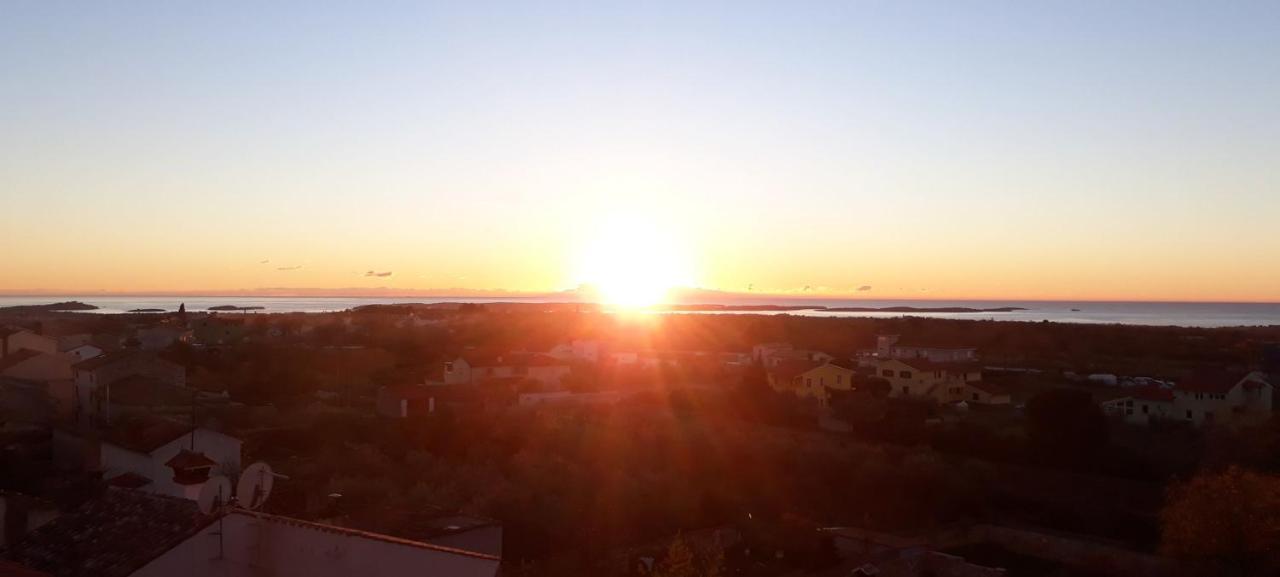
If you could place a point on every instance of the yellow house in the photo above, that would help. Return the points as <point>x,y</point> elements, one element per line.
<point>938,382</point>
<point>813,380</point>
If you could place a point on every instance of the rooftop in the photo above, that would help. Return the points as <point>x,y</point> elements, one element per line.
<point>112,536</point>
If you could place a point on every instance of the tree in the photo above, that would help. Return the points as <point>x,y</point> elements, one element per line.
<point>681,560</point>
<point>1229,519</point>
<point>1066,424</point>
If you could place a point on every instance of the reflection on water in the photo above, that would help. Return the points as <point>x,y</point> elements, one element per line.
<point>1138,313</point>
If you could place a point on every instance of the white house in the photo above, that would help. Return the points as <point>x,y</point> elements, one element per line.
<point>1142,405</point>
<point>474,368</point>
<point>153,454</point>
<point>1223,397</point>
<point>894,347</point>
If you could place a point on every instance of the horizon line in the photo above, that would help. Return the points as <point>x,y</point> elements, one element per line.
<point>338,293</point>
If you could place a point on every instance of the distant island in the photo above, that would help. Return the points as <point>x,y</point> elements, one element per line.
<point>49,308</point>
<point>235,308</point>
<point>146,310</point>
<point>923,310</point>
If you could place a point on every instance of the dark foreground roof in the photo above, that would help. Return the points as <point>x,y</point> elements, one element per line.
<point>109,537</point>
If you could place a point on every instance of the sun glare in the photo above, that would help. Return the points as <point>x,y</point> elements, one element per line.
<point>634,263</point>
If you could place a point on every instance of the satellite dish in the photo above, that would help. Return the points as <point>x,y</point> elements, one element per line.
<point>255,485</point>
<point>214,494</point>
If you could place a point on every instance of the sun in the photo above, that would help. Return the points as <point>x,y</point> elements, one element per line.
<point>634,263</point>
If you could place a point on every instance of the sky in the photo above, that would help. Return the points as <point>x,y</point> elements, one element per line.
<point>989,150</point>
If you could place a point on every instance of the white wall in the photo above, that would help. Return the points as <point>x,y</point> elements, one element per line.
<point>254,546</point>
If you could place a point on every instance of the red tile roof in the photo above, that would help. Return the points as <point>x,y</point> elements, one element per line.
<point>145,434</point>
<point>190,460</point>
<point>112,536</point>
<point>19,356</point>
<point>1212,381</point>
<point>787,370</point>
<point>129,480</point>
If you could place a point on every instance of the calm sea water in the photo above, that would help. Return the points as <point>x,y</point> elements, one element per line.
<point>1136,313</point>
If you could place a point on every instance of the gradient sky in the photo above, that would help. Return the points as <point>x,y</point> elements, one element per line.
<point>1083,150</point>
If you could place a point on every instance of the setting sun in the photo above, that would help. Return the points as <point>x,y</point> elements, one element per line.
<point>634,263</point>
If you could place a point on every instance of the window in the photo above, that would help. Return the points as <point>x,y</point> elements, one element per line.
<point>975,396</point>
<point>1144,409</point>
<point>448,367</point>
<point>906,390</point>
<point>808,382</point>
<point>886,373</point>
<point>1188,413</point>
<point>904,374</point>
<point>839,379</point>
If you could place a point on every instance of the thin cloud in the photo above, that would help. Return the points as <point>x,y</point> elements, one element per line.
<point>295,267</point>
<point>377,274</point>
<point>264,261</point>
<point>864,288</point>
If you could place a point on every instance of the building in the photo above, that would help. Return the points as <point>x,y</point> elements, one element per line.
<point>84,352</point>
<point>1223,397</point>
<point>813,380</point>
<point>940,382</point>
<point>94,378</point>
<point>474,368</point>
<point>775,354</point>
<point>13,339</point>
<point>151,454</point>
<point>125,533</point>
<point>895,347</point>
<point>38,366</point>
<point>1142,405</point>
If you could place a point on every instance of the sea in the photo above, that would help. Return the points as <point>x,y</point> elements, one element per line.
<point>1190,314</point>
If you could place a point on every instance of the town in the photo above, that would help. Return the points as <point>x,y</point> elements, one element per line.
<point>563,439</point>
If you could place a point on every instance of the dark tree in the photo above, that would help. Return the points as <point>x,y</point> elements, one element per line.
<point>1066,425</point>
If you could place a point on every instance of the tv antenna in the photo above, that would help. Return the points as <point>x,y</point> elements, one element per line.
<point>215,493</point>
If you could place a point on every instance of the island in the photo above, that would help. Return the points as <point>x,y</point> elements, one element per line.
<point>923,310</point>
<point>235,308</point>
<point>68,306</point>
<point>146,310</point>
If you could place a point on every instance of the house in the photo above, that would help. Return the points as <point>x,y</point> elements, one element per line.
<point>774,354</point>
<point>1142,405</point>
<point>84,352</point>
<point>813,379</point>
<point>39,366</point>
<point>894,347</point>
<point>1223,397</point>
<point>940,382</point>
<point>95,375</point>
<point>14,339</point>
<point>152,454</point>
<point>126,533</point>
<point>474,368</point>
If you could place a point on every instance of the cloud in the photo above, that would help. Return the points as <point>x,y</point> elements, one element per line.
<point>295,267</point>
<point>378,274</point>
<point>864,288</point>
<point>264,261</point>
